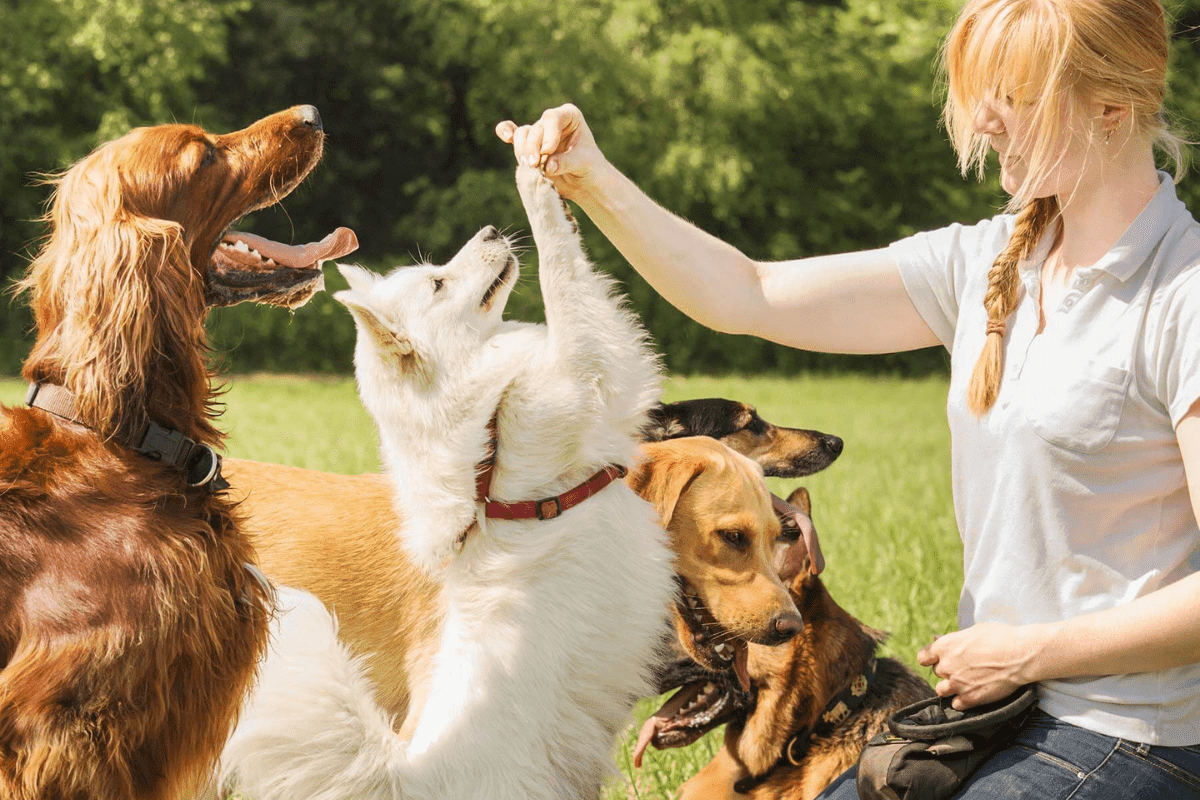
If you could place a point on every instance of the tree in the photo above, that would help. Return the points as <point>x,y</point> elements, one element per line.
<point>75,73</point>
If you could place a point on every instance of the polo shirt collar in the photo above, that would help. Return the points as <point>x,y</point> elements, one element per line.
<point>1133,249</point>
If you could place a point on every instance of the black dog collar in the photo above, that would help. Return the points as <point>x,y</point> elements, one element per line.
<point>199,462</point>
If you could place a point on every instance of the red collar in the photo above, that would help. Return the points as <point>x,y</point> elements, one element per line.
<point>547,508</point>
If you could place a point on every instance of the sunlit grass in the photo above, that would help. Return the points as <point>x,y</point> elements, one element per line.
<point>883,509</point>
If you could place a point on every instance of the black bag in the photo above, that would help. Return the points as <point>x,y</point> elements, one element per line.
<point>932,748</point>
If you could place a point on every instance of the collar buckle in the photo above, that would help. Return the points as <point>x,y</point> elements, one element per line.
<point>163,444</point>
<point>549,508</point>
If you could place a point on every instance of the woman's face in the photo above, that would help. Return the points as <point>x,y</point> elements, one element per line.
<point>1011,128</point>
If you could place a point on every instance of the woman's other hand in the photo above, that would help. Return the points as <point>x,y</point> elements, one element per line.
<point>983,663</point>
<point>561,144</point>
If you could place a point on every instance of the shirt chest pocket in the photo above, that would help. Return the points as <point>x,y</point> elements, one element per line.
<point>1074,404</point>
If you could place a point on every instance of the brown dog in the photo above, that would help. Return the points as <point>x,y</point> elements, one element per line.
<point>815,700</point>
<point>335,536</point>
<point>129,625</point>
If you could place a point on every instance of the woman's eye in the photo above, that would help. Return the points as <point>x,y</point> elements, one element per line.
<point>437,284</point>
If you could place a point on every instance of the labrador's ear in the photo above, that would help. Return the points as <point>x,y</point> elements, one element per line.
<point>662,476</point>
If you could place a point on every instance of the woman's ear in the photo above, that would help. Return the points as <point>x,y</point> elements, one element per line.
<point>1111,117</point>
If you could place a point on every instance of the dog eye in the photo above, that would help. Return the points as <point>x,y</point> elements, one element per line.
<point>437,285</point>
<point>210,155</point>
<point>735,539</point>
<point>789,529</point>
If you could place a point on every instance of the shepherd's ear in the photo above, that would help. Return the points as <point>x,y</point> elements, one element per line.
<point>360,279</point>
<point>370,322</point>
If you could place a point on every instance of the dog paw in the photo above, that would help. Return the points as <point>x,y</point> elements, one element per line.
<point>543,205</point>
<point>533,185</point>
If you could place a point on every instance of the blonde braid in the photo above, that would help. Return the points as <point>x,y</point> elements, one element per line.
<point>1000,300</point>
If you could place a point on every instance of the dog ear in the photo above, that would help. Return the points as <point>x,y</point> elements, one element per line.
<point>112,291</point>
<point>798,553</point>
<point>372,322</point>
<point>661,477</point>
<point>360,279</point>
<point>801,500</point>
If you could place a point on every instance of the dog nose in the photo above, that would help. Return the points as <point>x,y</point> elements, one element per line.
<point>489,233</point>
<point>785,627</point>
<point>309,117</point>
<point>834,445</point>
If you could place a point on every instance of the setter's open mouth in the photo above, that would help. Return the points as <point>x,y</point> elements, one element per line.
<point>248,267</point>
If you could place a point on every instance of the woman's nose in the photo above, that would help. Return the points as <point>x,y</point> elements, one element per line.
<point>987,121</point>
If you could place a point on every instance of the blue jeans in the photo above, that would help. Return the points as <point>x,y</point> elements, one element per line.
<point>1054,760</point>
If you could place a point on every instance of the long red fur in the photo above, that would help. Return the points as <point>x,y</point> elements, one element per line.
<point>129,627</point>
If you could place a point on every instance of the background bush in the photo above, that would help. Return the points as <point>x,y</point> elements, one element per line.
<point>787,128</point>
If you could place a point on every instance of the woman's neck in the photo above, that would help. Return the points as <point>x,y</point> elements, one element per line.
<point>1108,199</point>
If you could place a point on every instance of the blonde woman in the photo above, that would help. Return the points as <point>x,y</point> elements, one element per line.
<point>1073,325</point>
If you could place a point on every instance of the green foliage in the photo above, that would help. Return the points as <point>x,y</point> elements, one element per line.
<point>75,73</point>
<point>786,128</point>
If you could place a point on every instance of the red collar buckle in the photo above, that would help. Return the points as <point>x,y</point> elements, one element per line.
<point>549,508</point>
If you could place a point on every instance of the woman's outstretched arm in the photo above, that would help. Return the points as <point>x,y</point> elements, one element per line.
<point>848,303</point>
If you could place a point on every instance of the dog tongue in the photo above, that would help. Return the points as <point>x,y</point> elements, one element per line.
<point>660,719</point>
<point>649,730</point>
<point>299,256</point>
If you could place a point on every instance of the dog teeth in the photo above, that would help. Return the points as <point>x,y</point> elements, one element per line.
<point>242,246</point>
<point>701,699</point>
<point>725,651</point>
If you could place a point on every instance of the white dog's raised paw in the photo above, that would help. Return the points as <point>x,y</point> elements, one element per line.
<point>543,205</point>
<point>532,184</point>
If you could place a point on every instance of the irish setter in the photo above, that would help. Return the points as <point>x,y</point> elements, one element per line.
<point>130,625</point>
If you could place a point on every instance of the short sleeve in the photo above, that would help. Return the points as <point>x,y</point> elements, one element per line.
<point>1179,346</point>
<point>935,266</point>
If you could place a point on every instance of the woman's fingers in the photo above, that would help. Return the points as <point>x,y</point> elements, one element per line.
<point>560,126</point>
<point>525,139</point>
<point>505,130</point>
<point>560,144</point>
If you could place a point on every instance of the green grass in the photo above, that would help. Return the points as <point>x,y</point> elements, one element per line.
<point>883,509</point>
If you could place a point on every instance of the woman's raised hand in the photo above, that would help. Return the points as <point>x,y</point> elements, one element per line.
<point>560,143</point>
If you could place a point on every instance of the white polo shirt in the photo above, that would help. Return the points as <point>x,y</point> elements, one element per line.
<point>1070,494</point>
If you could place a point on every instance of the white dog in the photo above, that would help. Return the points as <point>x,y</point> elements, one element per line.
<point>550,625</point>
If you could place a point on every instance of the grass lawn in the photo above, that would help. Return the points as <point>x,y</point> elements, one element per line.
<point>883,509</point>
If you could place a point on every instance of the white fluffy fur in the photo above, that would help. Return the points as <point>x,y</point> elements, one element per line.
<point>550,627</point>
